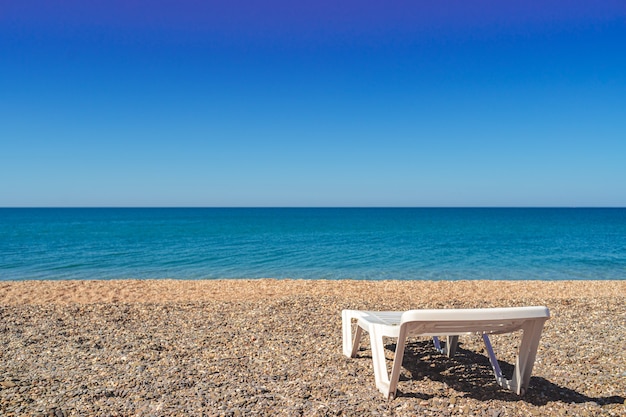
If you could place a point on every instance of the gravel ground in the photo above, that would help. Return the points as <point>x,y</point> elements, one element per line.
<point>274,348</point>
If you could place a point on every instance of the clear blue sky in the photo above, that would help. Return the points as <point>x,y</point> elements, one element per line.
<point>321,103</point>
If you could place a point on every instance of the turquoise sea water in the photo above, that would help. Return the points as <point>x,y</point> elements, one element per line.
<point>317,243</point>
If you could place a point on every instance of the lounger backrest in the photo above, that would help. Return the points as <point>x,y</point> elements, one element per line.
<point>460,321</point>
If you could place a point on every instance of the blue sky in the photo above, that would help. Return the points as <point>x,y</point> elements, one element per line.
<point>283,103</point>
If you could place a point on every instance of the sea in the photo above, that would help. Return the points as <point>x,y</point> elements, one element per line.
<point>313,243</point>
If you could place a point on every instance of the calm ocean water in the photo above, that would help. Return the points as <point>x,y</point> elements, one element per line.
<point>385,243</point>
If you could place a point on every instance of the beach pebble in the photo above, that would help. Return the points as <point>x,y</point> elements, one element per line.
<point>198,358</point>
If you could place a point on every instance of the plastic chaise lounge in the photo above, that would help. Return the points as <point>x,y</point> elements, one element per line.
<point>450,323</point>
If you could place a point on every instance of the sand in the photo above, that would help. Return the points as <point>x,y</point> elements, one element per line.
<point>273,347</point>
<point>412,293</point>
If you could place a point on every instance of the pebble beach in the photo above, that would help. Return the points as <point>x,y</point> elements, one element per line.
<point>273,347</point>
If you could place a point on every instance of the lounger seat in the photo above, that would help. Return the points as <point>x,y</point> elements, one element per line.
<point>450,323</point>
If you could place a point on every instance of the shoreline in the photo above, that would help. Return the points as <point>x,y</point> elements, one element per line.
<point>273,347</point>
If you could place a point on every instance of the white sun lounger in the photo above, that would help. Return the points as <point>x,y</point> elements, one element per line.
<point>450,323</point>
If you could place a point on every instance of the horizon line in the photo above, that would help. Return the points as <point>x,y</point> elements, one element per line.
<point>319,207</point>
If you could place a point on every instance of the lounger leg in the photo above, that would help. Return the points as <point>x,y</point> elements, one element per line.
<point>450,348</point>
<point>523,363</point>
<point>451,345</point>
<point>346,331</point>
<point>437,344</point>
<point>358,333</point>
<point>350,344</point>
<point>526,356</point>
<point>386,384</point>
<point>495,366</point>
<point>379,362</point>
<point>397,363</point>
